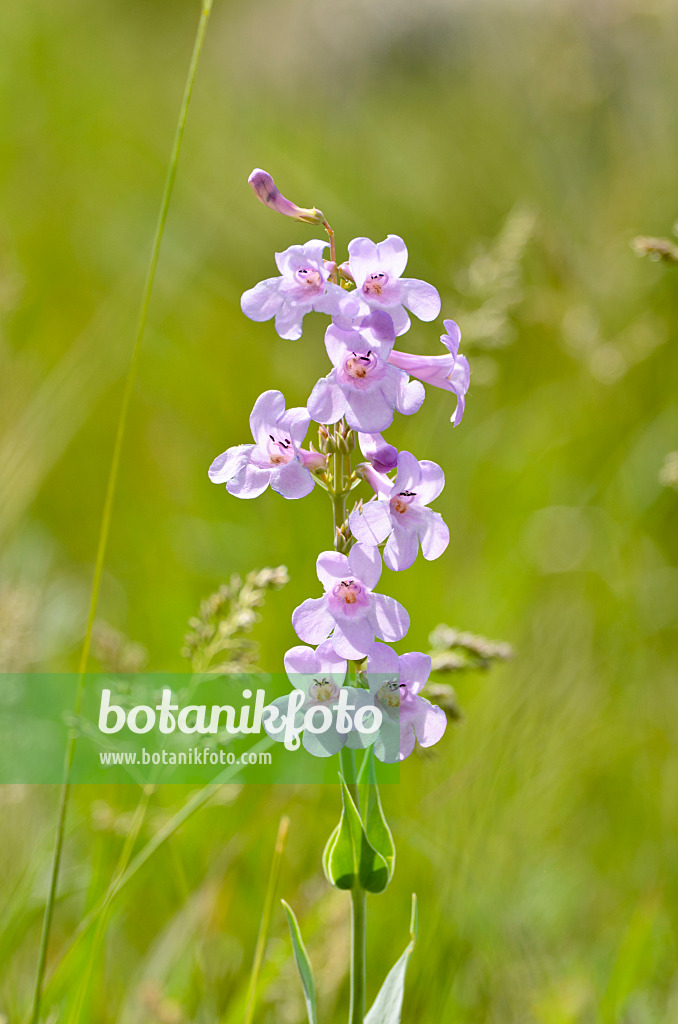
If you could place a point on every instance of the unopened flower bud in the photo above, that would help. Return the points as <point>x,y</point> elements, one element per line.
<point>312,459</point>
<point>345,271</point>
<point>267,192</point>
<point>342,444</point>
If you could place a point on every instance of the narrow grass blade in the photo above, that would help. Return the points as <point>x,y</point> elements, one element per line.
<point>107,514</point>
<point>387,1007</point>
<point>262,937</point>
<point>303,964</point>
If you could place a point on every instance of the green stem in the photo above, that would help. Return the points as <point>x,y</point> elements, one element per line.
<point>107,514</point>
<point>340,473</point>
<point>356,1013</point>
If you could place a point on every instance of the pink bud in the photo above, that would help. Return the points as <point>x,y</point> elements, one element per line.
<point>267,192</point>
<point>312,460</point>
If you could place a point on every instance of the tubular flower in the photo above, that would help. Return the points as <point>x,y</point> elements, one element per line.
<point>349,611</point>
<point>450,372</point>
<point>395,683</point>
<point>400,512</point>
<point>276,458</point>
<point>362,386</point>
<point>377,269</point>
<point>303,286</point>
<point>320,676</point>
<point>381,455</point>
<point>268,193</point>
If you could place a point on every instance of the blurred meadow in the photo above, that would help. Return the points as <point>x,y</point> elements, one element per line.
<point>518,147</point>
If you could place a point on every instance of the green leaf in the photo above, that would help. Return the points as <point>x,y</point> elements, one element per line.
<point>378,832</point>
<point>388,1005</point>
<point>349,859</point>
<point>303,964</point>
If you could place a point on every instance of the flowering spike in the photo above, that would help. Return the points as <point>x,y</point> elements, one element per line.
<point>267,192</point>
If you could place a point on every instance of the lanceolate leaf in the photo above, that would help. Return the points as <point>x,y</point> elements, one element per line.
<point>349,857</point>
<point>387,1007</point>
<point>303,964</point>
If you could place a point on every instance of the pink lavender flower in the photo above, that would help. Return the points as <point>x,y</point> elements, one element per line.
<point>450,372</point>
<point>303,285</point>
<point>400,512</point>
<point>362,386</point>
<point>377,269</point>
<point>320,676</point>
<point>267,192</point>
<point>378,452</point>
<point>395,683</point>
<point>276,458</point>
<point>349,611</point>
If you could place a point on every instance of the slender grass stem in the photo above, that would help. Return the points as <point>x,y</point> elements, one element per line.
<point>107,513</point>
<point>265,924</point>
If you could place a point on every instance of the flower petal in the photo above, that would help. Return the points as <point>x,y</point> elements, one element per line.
<point>392,255</point>
<point>429,723</point>
<point>312,620</point>
<point>408,476</point>
<point>421,298</point>
<point>368,411</point>
<point>431,483</point>
<point>329,662</point>
<point>372,523</point>
<point>330,567</point>
<point>327,403</point>
<point>263,301</point>
<point>388,618</point>
<point>434,535</point>
<point>382,661</point>
<point>295,423</point>
<point>281,704</point>
<point>339,341</point>
<point>250,482</point>
<point>292,480</point>
<point>353,639</point>
<point>394,741</point>
<point>268,409</point>
<point>415,668</point>
<point>288,320</point>
<point>363,256</point>
<point>228,463</point>
<point>401,549</point>
<point>378,331</point>
<point>452,337</point>
<point>323,744</point>
<point>357,739</point>
<point>409,395</point>
<point>365,563</point>
<point>300,660</point>
<point>296,256</point>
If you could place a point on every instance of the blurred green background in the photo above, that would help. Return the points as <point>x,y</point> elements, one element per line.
<point>518,148</point>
